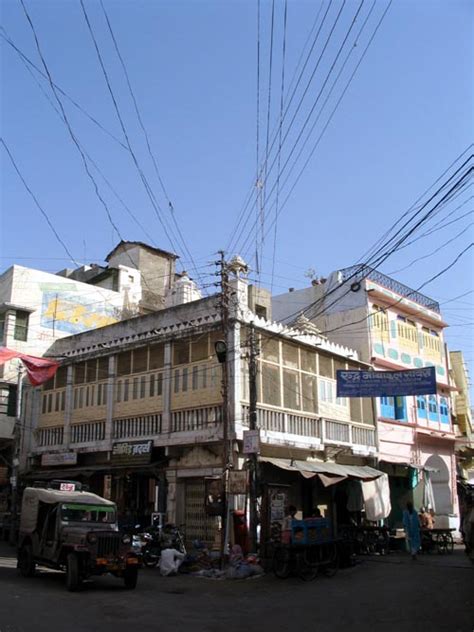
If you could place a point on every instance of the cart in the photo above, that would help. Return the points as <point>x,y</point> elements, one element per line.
<point>439,540</point>
<point>311,549</point>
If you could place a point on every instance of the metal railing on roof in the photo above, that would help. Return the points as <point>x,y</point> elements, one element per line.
<point>358,273</point>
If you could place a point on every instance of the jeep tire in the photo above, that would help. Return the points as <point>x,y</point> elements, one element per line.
<point>73,578</point>
<point>26,563</point>
<point>130,578</point>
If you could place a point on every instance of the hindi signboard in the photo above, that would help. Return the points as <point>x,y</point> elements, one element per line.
<point>386,383</point>
<point>238,481</point>
<point>59,458</point>
<point>251,441</point>
<point>131,452</point>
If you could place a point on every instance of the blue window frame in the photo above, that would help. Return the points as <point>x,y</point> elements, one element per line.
<point>421,406</point>
<point>387,407</point>
<point>400,409</point>
<point>433,408</point>
<point>443,410</point>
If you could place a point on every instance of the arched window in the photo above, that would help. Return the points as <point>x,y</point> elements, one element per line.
<point>421,406</point>
<point>443,410</point>
<point>432,408</point>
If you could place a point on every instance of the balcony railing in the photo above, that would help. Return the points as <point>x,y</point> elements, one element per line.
<point>88,432</point>
<point>326,430</point>
<point>144,426</point>
<point>195,418</point>
<point>50,436</point>
<point>361,272</point>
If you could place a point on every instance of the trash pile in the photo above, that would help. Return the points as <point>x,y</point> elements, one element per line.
<point>205,563</point>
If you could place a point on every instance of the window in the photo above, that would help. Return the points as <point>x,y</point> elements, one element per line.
<point>63,400</point>
<point>421,406</point>
<point>200,348</point>
<point>443,410</point>
<point>184,383</point>
<point>195,382</point>
<point>2,326</point>
<point>61,377</point>
<point>291,391</point>
<point>308,361</point>
<point>124,363</point>
<point>407,330</point>
<point>135,388</point>
<point>433,408</point>
<point>152,386</point>
<point>44,403</point>
<point>159,384</point>
<point>181,352</point>
<point>203,371</point>
<point>21,325</point>
<point>341,401</point>
<point>87,396</point>
<point>270,349</point>
<point>327,391</point>
<point>143,386</point>
<point>91,371</point>
<point>290,355</point>
<point>103,368</point>
<point>270,384</point>
<point>157,357</point>
<point>431,341</point>
<point>325,366</point>
<point>261,311</point>
<point>126,386</point>
<point>118,397</point>
<point>387,407</point>
<point>379,320</point>
<point>400,409</point>
<point>80,373</point>
<point>80,401</point>
<point>308,383</point>
<point>140,360</point>
<point>176,381</point>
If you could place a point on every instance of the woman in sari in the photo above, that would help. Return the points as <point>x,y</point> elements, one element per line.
<point>411,524</point>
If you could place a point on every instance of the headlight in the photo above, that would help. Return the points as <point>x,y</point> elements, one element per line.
<point>91,538</point>
<point>126,539</point>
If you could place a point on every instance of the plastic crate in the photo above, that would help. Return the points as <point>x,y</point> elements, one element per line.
<point>310,531</point>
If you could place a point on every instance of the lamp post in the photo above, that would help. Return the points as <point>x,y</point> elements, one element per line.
<point>220,347</point>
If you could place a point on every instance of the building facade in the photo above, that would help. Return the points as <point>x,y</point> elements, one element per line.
<point>393,327</point>
<point>136,410</point>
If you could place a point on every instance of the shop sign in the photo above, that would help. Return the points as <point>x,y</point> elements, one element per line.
<point>238,481</point>
<point>59,458</point>
<point>67,487</point>
<point>386,383</point>
<point>131,452</point>
<point>251,441</point>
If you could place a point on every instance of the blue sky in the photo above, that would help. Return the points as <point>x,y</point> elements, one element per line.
<point>405,117</point>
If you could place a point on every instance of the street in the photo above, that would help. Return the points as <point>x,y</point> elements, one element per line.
<point>380,593</point>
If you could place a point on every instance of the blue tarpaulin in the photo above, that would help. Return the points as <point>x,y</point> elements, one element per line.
<point>386,383</point>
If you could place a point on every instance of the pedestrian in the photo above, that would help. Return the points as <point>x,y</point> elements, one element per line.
<point>411,524</point>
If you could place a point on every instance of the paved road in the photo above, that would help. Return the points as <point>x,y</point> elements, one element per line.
<point>381,594</point>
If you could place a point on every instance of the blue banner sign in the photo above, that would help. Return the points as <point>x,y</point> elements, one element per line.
<point>386,383</point>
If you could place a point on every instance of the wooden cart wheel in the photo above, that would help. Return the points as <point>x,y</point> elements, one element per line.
<point>281,562</point>
<point>306,568</point>
<point>441,543</point>
<point>331,567</point>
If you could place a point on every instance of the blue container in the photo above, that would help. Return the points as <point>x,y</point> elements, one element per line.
<point>310,531</point>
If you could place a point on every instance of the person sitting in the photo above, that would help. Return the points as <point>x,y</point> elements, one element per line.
<point>170,561</point>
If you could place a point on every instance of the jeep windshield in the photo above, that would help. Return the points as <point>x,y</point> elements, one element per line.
<point>75,512</point>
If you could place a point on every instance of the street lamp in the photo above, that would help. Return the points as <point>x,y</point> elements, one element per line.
<point>220,347</point>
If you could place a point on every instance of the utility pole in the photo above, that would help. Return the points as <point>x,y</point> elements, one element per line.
<point>224,308</point>
<point>253,482</point>
<point>16,458</point>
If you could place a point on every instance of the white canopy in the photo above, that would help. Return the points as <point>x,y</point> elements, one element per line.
<point>32,496</point>
<point>311,468</point>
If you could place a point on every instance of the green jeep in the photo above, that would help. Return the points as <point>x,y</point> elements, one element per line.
<point>73,531</point>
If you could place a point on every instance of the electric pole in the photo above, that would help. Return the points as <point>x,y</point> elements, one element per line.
<point>253,482</point>
<point>224,308</point>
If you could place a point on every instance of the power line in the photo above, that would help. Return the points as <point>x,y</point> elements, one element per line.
<point>35,199</point>
<point>282,92</point>
<point>28,61</point>
<point>146,136</point>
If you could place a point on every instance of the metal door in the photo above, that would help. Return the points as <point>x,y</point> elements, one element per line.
<point>198,525</point>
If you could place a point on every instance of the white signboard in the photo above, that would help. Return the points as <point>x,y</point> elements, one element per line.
<point>59,458</point>
<point>251,441</point>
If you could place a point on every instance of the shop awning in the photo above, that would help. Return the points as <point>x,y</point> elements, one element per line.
<point>415,466</point>
<point>89,470</point>
<point>312,468</point>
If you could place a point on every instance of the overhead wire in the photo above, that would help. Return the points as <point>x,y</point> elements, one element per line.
<point>280,130</point>
<point>146,136</point>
